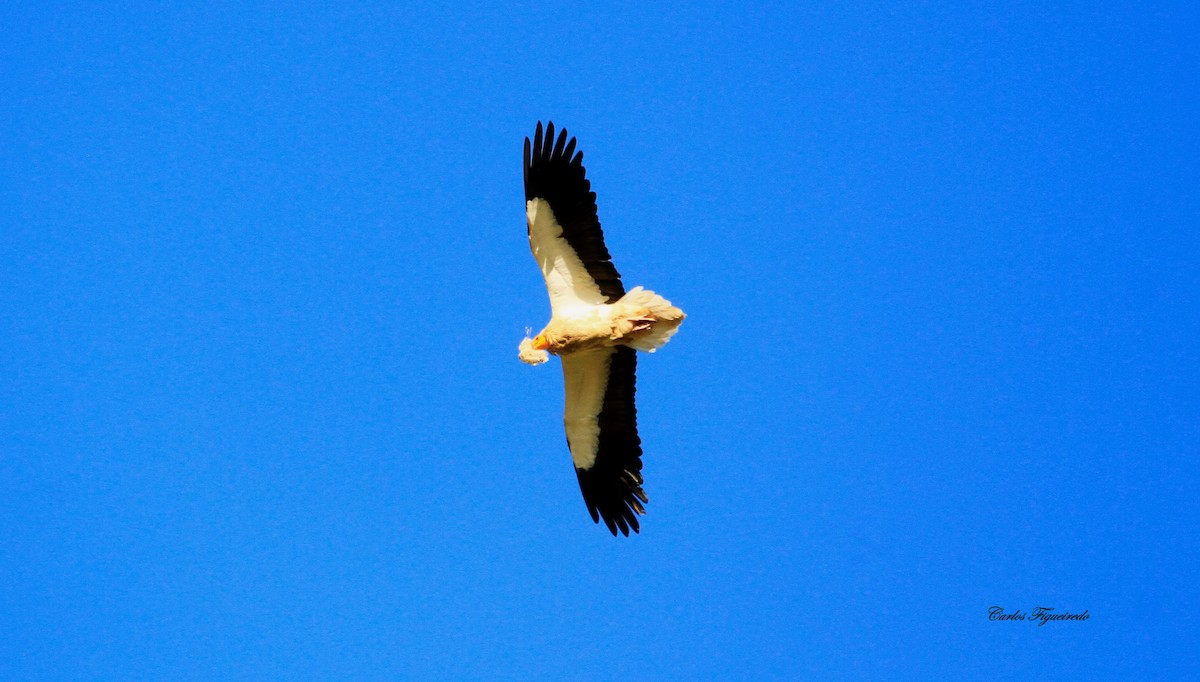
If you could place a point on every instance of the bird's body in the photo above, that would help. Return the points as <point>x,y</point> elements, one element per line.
<point>595,328</point>
<point>641,319</point>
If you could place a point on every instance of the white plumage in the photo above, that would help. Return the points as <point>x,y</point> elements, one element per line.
<point>595,326</point>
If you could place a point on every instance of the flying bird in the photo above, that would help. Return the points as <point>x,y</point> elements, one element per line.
<point>595,328</point>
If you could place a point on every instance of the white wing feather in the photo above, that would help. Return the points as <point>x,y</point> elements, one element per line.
<point>570,286</point>
<point>585,378</point>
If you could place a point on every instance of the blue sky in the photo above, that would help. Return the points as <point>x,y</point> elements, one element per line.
<point>263,273</point>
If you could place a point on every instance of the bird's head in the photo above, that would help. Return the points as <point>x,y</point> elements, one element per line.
<point>533,351</point>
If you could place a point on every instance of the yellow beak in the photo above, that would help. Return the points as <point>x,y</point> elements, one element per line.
<point>539,343</point>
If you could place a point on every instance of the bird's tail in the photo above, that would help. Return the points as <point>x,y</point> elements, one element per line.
<point>659,320</point>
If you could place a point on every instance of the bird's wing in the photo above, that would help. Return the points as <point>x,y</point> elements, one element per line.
<point>564,232</point>
<point>601,424</point>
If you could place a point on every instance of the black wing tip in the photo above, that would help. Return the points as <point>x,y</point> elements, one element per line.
<point>548,148</point>
<point>618,504</point>
<point>626,522</point>
<point>622,523</point>
<point>551,161</point>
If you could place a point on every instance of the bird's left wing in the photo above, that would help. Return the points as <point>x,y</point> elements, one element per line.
<point>601,423</point>
<point>564,230</point>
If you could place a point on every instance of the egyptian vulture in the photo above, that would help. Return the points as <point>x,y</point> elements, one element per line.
<point>595,328</point>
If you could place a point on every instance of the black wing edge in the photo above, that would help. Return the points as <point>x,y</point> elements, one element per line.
<point>612,488</point>
<point>554,171</point>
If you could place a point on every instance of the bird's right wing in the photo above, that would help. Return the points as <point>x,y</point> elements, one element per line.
<point>601,424</point>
